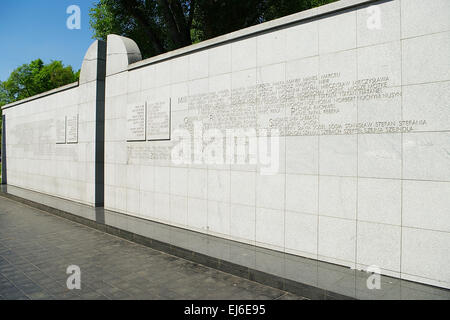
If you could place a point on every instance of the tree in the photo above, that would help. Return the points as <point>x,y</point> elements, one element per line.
<point>3,101</point>
<point>3,95</point>
<point>159,26</point>
<point>34,78</point>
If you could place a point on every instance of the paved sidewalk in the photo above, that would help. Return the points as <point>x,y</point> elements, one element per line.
<point>36,248</point>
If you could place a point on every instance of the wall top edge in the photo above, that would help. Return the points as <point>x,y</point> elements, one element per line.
<point>256,29</point>
<point>41,95</point>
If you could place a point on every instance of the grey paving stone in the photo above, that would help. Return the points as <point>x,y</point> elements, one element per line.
<point>38,247</point>
<point>290,296</point>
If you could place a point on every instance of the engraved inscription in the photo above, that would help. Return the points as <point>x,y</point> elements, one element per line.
<point>317,104</point>
<point>60,130</point>
<point>313,105</point>
<point>72,129</point>
<point>147,154</point>
<point>136,122</point>
<point>35,139</point>
<point>158,120</point>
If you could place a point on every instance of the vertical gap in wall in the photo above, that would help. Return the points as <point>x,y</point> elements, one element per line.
<point>3,150</point>
<point>230,144</point>
<point>318,159</point>
<point>284,135</point>
<point>357,154</point>
<point>204,166</point>
<point>258,172</point>
<point>401,145</point>
<point>100,126</point>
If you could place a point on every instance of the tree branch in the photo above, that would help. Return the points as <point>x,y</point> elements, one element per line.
<point>180,20</point>
<point>175,27</point>
<point>191,15</point>
<point>131,6</point>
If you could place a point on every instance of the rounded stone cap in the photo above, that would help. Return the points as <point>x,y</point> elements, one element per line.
<point>91,68</point>
<point>120,52</point>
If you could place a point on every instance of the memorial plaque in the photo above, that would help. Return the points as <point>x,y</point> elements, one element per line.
<point>158,120</point>
<point>60,129</point>
<point>136,122</point>
<point>72,128</point>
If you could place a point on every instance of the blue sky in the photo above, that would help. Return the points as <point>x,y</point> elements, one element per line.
<point>31,29</point>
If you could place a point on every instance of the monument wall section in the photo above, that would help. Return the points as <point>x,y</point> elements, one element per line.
<point>323,134</point>
<point>355,97</point>
<point>54,140</point>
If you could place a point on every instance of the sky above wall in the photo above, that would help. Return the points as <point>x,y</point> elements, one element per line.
<point>31,29</point>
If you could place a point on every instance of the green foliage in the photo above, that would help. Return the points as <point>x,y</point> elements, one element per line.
<point>34,78</point>
<point>3,94</point>
<point>131,18</point>
<point>159,26</point>
<point>281,8</point>
<point>3,101</point>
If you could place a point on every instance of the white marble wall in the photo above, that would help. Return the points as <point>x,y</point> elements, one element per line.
<point>35,159</point>
<point>356,199</point>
